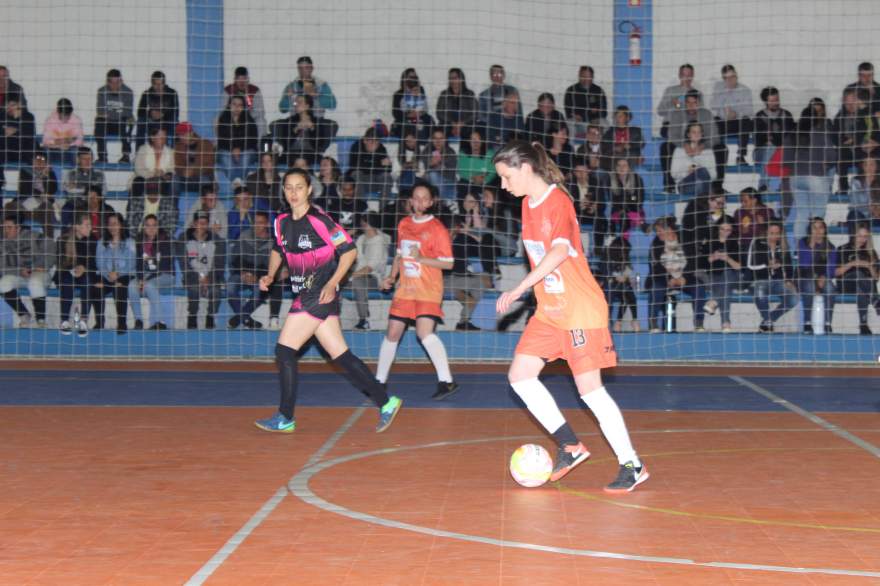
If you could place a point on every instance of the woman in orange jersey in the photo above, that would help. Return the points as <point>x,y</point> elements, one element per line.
<point>571,321</point>
<point>424,251</point>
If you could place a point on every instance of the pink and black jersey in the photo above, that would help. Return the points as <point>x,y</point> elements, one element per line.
<point>311,247</point>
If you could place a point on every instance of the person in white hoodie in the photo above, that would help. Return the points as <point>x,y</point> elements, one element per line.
<point>371,265</point>
<point>693,163</point>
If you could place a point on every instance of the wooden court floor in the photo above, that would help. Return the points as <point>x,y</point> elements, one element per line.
<point>170,495</point>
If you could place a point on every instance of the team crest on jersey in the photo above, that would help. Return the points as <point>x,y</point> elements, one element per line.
<point>304,241</point>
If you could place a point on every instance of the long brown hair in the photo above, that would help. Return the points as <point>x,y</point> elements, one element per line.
<point>516,152</point>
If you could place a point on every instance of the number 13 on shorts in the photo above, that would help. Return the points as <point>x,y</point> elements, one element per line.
<point>578,338</point>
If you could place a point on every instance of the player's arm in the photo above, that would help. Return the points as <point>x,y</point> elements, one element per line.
<point>274,264</point>
<point>389,281</point>
<point>437,263</point>
<point>551,261</point>
<point>346,260</point>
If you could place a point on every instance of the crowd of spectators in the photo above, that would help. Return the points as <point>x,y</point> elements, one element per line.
<point>199,211</point>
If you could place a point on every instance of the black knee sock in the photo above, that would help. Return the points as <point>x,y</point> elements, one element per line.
<point>287,371</point>
<point>14,301</point>
<point>360,376</point>
<point>564,436</point>
<point>39,307</point>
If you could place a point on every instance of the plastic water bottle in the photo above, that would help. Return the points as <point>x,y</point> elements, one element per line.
<point>670,314</point>
<point>76,318</point>
<point>818,315</point>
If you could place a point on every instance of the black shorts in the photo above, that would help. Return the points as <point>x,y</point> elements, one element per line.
<point>320,311</point>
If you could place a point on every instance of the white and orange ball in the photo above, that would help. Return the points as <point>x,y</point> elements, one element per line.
<point>531,465</point>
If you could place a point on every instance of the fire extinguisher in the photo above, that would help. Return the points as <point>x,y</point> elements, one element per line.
<point>635,41</point>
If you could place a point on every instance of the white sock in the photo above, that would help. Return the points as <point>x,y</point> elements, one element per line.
<point>612,425</point>
<point>387,352</point>
<point>437,353</point>
<point>540,403</point>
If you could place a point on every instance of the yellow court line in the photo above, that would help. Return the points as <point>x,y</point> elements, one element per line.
<point>710,516</point>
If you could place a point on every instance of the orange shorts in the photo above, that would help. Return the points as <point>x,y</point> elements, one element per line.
<point>584,350</point>
<point>407,310</point>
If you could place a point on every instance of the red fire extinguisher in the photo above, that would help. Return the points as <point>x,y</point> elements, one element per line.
<point>635,46</point>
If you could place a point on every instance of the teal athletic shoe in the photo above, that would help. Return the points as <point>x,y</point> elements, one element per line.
<point>277,423</point>
<point>388,412</point>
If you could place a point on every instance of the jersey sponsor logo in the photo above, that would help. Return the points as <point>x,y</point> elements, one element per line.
<point>337,238</point>
<point>535,249</point>
<point>553,283</point>
<point>304,241</point>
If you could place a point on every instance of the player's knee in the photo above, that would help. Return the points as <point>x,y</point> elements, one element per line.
<point>285,354</point>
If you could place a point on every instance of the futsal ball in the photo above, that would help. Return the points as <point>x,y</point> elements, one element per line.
<point>531,465</point>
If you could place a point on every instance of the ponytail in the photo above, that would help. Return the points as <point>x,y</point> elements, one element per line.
<point>516,152</point>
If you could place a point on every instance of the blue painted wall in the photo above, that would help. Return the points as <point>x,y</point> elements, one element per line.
<point>204,59</point>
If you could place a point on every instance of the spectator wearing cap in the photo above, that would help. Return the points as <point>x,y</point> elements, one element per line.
<point>37,188</point>
<point>204,264</point>
<point>158,106</point>
<point>9,89</point>
<point>154,163</point>
<point>114,115</point>
<point>63,133</point>
<point>371,265</point>
<point>307,83</point>
<point>193,160</point>
<point>211,205</point>
<point>870,87</point>
<point>78,181</point>
<point>244,209</point>
<point>253,97</point>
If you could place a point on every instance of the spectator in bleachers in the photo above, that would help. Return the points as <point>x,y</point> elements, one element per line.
<point>116,265</point>
<point>863,184</point>
<point>590,195</point>
<point>619,274</point>
<point>752,217</point>
<point>674,97</point>
<point>867,84</point>
<point>92,204</point>
<point>699,225</point>
<point>850,129</point>
<point>409,106</point>
<point>457,106</point>
<point>253,97</point>
<point>507,124</point>
<point>810,156</point>
<point>627,195</point>
<point>204,265</point>
<point>492,98</point>
<point>371,165</point>
<point>441,164</point>
<point>154,271</point>
<point>857,272</point>
<point>25,261</point>
<point>302,134</point>
<point>237,139</point>
<point>158,107</point>
<point>193,160</point>
<point>473,223</point>
<point>670,276</point>
<point>560,151</point>
<point>410,159</point>
<point>37,188</point>
<point>591,149</point>
<point>84,176</point>
<point>77,271</point>
<point>370,267</point>
<point>500,222</point>
<point>18,134</point>
<point>733,106</point>
<point>153,164</point>
<point>63,133</point>
<point>585,102</point>
<point>543,120</point>
<point>773,272</point>
<point>265,182</point>
<point>114,115</point>
<point>475,167</point>
<point>152,203</point>
<point>243,213</point>
<point>210,204</point>
<point>327,183</point>
<point>623,140</point>
<point>678,125</point>
<point>250,259</point>
<point>307,83</point>
<point>467,287</point>
<point>723,263</point>
<point>774,126</point>
<point>817,262</point>
<point>693,166</point>
<point>9,90</point>
<point>348,207</point>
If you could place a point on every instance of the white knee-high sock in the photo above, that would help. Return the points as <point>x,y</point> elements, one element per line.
<point>540,403</point>
<point>437,353</point>
<point>387,352</point>
<point>612,424</point>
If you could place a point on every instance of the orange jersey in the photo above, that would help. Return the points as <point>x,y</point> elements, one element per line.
<point>417,281</point>
<point>568,298</point>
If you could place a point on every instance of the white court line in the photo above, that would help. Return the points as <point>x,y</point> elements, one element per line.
<point>838,431</point>
<point>230,546</point>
